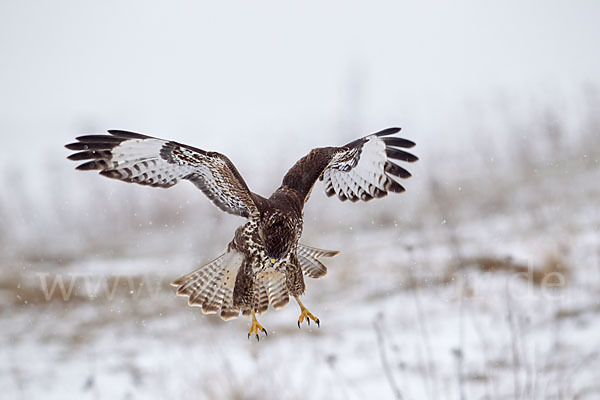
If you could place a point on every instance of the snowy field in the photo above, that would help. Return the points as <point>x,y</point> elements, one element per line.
<point>491,298</point>
<point>481,281</point>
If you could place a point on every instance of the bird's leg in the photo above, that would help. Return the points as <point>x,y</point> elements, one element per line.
<point>255,327</point>
<point>305,314</point>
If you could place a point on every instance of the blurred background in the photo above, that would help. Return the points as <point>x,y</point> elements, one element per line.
<point>480,282</point>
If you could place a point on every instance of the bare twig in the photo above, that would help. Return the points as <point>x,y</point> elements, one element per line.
<point>430,366</point>
<point>515,349</point>
<point>384,361</point>
<point>347,385</point>
<point>459,353</point>
<point>568,378</point>
<point>486,358</point>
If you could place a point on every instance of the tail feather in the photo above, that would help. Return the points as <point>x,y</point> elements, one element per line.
<point>308,259</point>
<point>211,286</point>
<point>263,298</point>
<point>228,311</point>
<point>216,302</point>
<point>213,294</point>
<point>207,291</point>
<point>307,251</point>
<point>203,288</point>
<point>196,280</point>
<point>312,267</point>
<point>277,291</point>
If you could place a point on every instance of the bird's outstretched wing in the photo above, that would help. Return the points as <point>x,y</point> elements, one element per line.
<point>361,170</point>
<point>145,160</point>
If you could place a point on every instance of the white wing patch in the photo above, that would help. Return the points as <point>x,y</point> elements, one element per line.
<point>139,161</point>
<point>363,170</point>
<point>132,157</point>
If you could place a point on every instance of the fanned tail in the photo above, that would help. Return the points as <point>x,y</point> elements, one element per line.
<point>308,258</point>
<point>270,289</point>
<point>277,291</point>
<point>263,297</point>
<point>211,286</point>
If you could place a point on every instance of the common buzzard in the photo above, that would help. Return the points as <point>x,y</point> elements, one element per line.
<point>264,263</point>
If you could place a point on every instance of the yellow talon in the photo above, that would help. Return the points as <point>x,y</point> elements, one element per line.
<point>255,328</point>
<point>305,314</point>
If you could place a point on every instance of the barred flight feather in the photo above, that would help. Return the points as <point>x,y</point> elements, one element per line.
<point>210,294</point>
<point>312,267</point>
<point>136,158</point>
<point>228,311</point>
<point>210,286</point>
<point>263,297</point>
<point>367,173</point>
<point>309,263</point>
<point>277,291</point>
<point>308,251</point>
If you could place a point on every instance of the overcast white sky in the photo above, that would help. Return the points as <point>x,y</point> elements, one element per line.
<point>220,76</point>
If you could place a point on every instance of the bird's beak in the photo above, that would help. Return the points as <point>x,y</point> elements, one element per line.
<point>273,260</point>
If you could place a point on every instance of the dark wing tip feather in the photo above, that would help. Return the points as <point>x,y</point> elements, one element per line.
<point>361,141</point>
<point>378,193</point>
<point>99,138</point>
<point>89,155</point>
<point>398,142</point>
<point>91,165</point>
<point>91,145</point>
<point>79,156</point>
<point>400,155</point>
<point>396,170</point>
<point>73,146</point>
<point>366,197</point>
<point>388,131</point>
<point>127,134</point>
<point>395,187</point>
<point>112,173</point>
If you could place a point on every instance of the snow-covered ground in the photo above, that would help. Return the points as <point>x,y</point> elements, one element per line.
<point>468,300</point>
<point>480,282</point>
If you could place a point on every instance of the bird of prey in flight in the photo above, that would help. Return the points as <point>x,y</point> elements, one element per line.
<point>264,263</point>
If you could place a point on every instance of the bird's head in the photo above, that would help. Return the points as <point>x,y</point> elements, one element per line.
<point>278,236</point>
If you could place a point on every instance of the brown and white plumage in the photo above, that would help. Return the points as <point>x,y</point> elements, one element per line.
<point>360,170</point>
<point>145,160</point>
<point>264,263</point>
